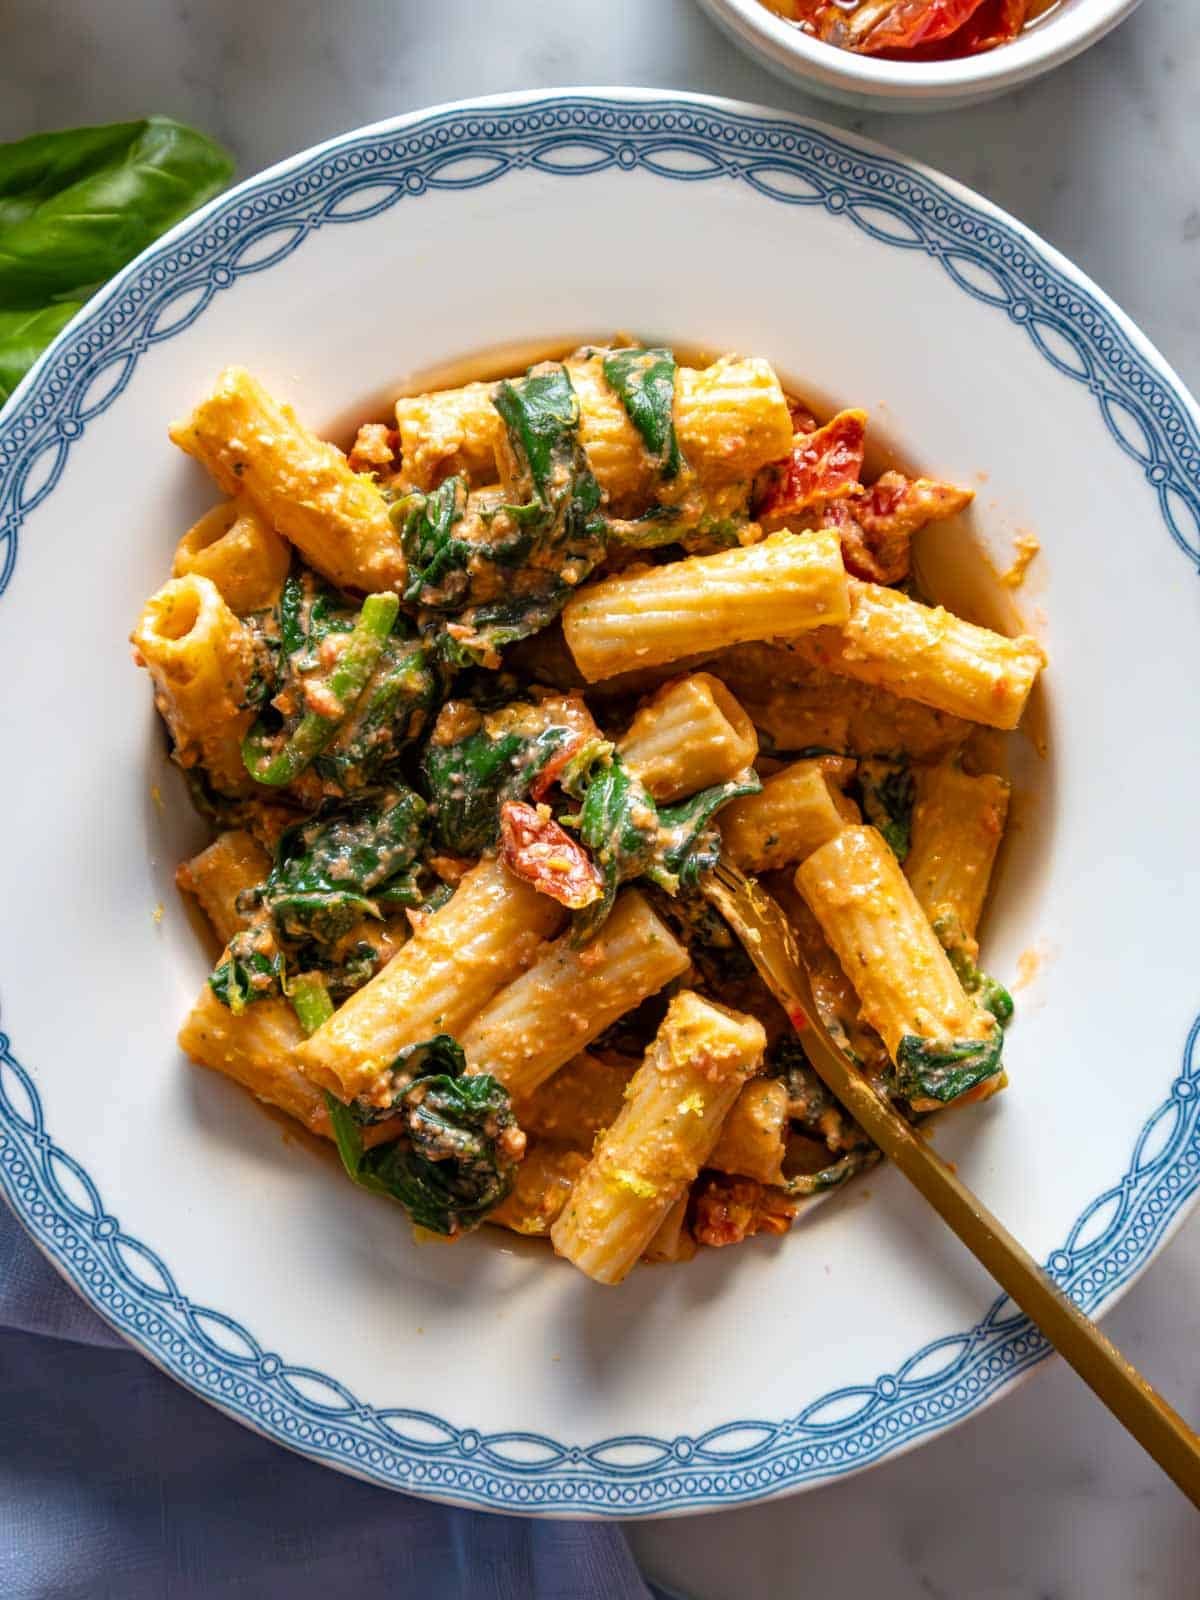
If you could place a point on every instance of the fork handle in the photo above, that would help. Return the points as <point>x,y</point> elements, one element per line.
<point>1155,1424</point>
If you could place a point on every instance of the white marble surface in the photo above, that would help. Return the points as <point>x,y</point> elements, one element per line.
<point>1043,1497</point>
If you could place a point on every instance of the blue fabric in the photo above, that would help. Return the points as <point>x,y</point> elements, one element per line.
<point>115,1482</point>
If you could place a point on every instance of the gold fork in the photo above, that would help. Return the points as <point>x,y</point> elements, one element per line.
<point>762,928</point>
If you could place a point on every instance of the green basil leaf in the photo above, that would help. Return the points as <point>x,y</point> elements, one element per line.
<point>23,337</point>
<point>75,206</point>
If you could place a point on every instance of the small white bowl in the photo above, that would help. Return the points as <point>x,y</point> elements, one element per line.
<point>875,85</point>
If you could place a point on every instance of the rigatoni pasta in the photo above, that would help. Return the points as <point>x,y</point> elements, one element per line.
<point>958,823</point>
<point>570,996</point>
<point>691,734</point>
<point>460,899</point>
<point>731,419</point>
<point>678,1099</point>
<point>797,810</point>
<point>235,547</point>
<point>304,487</point>
<point>489,931</point>
<point>786,584</point>
<point>928,654</point>
<point>202,662</point>
<point>936,1035</point>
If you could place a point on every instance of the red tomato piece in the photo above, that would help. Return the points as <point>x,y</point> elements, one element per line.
<point>823,466</point>
<point>535,848</point>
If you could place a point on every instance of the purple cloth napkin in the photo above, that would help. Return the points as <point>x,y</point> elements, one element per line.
<point>116,1484</point>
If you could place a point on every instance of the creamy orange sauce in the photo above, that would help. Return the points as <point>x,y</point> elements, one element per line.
<point>1025,547</point>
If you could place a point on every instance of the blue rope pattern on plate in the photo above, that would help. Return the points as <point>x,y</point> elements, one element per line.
<point>253,229</point>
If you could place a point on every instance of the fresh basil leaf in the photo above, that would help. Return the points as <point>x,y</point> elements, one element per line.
<point>75,206</point>
<point>23,337</point>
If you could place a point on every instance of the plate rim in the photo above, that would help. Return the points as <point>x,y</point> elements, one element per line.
<point>742,1461</point>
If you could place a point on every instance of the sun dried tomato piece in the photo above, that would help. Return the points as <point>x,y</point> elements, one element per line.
<point>803,420</point>
<point>911,23</point>
<point>898,504</point>
<point>877,525</point>
<point>548,776</point>
<point>822,466</point>
<point>996,22</point>
<point>726,1210</point>
<point>533,847</point>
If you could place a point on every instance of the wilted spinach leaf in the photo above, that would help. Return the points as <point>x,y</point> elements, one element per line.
<point>942,1069</point>
<point>488,571</point>
<point>645,382</point>
<point>455,1157</point>
<point>251,969</point>
<point>469,779</point>
<point>886,791</point>
<point>352,859</point>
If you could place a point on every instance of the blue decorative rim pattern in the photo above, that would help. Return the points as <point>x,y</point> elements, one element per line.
<point>675,138</point>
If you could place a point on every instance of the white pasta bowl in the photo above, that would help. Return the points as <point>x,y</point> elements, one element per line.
<point>489,1374</point>
<point>877,85</point>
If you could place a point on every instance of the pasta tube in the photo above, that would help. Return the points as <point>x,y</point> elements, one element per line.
<point>244,557</point>
<point>337,519</point>
<point>691,734</point>
<point>648,616</point>
<point>201,661</point>
<point>941,1042</point>
<point>665,1133</point>
<point>578,1102</point>
<point>799,706</point>
<point>234,862</point>
<point>456,961</point>
<point>256,1049</point>
<point>958,822</point>
<point>569,996</point>
<point>542,1186</point>
<point>672,1241</point>
<point>446,433</point>
<point>930,655</point>
<point>753,1138</point>
<point>731,419</point>
<point>795,812</point>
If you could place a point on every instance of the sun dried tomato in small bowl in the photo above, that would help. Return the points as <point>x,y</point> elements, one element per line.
<point>915,55</point>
